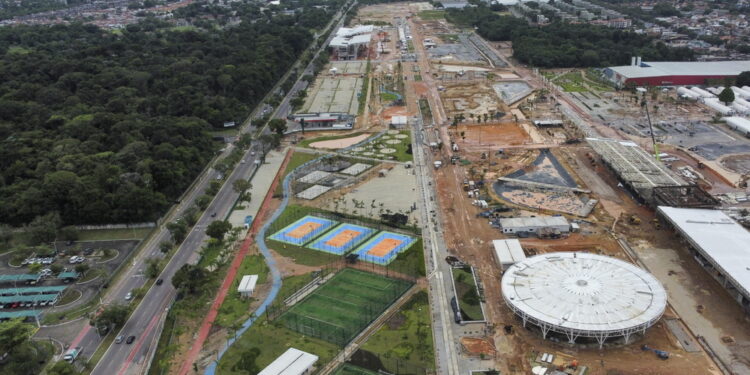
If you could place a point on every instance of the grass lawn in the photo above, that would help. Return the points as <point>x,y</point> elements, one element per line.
<point>297,159</point>
<point>349,369</point>
<point>417,78</point>
<point>114,234</point>
<point>410,46</point>
<point>466,293</point>
<point>406,336</point>
<point>411,261</point>
<point>235,309</point>
<point>571,82</point>
<point>91,274</point>
<point>69,295</point>
<point>449,38</point>
<point>429,15</point>
<point>273,340</point>
<point>401,148</point>
<point>388,97</point>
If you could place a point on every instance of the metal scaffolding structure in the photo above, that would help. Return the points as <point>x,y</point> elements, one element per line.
<point>636,169</point>
<point>583,295</point>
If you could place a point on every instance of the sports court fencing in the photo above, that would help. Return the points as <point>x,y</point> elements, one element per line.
<point>303,230</point>
<point>384,247</point>
<point>341,239</point>
<point>339,309</point>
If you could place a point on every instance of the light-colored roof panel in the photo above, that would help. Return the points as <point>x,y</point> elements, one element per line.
<point>539,221</point>
<point>292,362</point>
<point>587,293</point>
<point>691,68</point>
<point>721,240</point>
<point>247,284</point>
<point>508,251</point>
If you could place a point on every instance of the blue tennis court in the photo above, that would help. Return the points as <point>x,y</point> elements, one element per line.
<point>303,230</point>
<point>384,247</point>
<point>342,238</point>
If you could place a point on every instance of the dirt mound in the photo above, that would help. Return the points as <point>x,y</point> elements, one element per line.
<point>475,346</point>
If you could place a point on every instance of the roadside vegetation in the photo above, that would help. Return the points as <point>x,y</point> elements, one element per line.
<point>467,294</point>
<point>406,338</point>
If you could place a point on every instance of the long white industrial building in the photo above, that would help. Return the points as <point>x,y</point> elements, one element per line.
<point>739,124</point>
<point>720,244</point>
<point>508,252</point>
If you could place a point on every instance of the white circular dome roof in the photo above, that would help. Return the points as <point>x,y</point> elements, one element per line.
<point>582,294</point>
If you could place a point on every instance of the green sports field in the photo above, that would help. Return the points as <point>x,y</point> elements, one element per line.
<point>339,309</point>
<point>349,369</point>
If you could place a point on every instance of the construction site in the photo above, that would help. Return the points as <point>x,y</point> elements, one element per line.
<point>512,145</point>
<point>513,153</point>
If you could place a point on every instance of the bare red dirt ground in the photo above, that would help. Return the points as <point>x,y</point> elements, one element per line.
<point>492,135</point>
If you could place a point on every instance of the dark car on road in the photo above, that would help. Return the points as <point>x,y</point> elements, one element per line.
<point>130,339</point>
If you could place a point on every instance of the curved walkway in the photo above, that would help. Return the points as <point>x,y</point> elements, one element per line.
<point>275,273</point>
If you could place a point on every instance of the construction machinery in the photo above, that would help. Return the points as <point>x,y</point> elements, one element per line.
<point>634,220</point>
<point>659,353</point>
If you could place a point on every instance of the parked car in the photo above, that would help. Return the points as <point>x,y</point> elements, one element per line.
<point>129,296</point>
<point>130,339</point>
<point>88,251</point>
<point>159,282</point>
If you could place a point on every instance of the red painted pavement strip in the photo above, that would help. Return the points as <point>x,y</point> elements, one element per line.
<point>78,338</point>
<point>187,365</point>
<point>139,343</point>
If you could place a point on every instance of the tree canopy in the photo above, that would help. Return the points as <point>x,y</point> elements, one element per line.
<point>106,127</point>
<point>562,44</point>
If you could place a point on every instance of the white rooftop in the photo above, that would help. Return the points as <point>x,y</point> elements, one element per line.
<point>586,293</point>
<point>539,221</point>
<point>690,68</point>
<point>719,239</point>
<point>399,120</point>
<point>313,192</point>
<point>356,169</point>
<point>508,251</point>
<point>356,30</point>
<point>314,177</point>
<point>292,362</point>
<point>247,284</point>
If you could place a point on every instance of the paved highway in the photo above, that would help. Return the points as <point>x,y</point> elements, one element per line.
<point>145,321</point>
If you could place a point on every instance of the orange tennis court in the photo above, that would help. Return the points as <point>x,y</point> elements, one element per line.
<point>303,230</point>
<point>384,247</point>
<point>342,238</point>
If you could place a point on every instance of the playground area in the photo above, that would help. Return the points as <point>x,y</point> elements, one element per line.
<point>384,247</point>
<point>342,239</point>
<point>303,230</point>
<point>339,309</point>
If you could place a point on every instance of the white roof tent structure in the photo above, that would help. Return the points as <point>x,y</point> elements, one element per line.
<point>638,170</point>
<point>292,362</point>
<point>247,285</point>
<point>583,295</point>
<point>348,42</point>
<point>508,252</point>
<point>722,246</point>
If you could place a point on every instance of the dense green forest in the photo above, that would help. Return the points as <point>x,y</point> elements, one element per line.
<point>561,44</point>
<point>106,127</point>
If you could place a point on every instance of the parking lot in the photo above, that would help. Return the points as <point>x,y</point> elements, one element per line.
<point>55,284</point>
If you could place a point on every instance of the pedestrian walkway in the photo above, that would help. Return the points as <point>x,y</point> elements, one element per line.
<point>205,328</point>
<point>263,178</point>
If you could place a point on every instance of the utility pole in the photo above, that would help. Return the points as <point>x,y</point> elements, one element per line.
<point>644,104</point>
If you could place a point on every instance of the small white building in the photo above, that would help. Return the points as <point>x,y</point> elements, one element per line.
<point>535,224</point>
<point>508,252</point>
<point>292,362</point>
<point>247,285</point>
